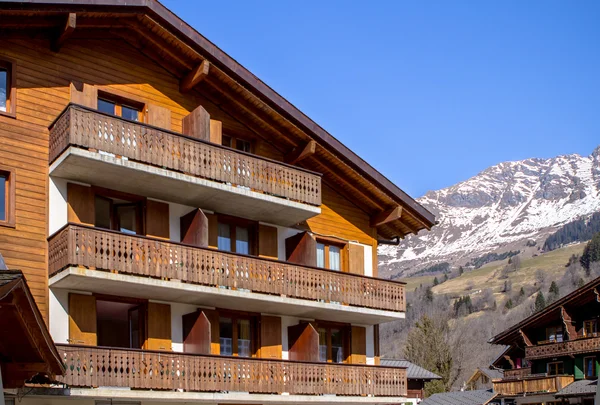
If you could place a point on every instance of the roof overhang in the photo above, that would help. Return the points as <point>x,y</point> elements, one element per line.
<point>205,69</point>
<point>28,349</point>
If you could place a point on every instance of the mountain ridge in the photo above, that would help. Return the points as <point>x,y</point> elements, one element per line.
<point>507,206</point>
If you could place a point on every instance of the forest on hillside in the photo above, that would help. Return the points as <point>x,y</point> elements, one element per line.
<point>449,336</point>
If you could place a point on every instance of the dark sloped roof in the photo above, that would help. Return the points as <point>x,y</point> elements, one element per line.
<point>413,372</point>
<point>492,374</point>
<point>579,388</point>
<point>476,397</point>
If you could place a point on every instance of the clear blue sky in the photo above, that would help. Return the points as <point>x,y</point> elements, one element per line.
<point>428,92</point>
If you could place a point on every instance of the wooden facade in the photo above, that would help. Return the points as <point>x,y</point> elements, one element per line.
<point>552,348</point>
<point>136,86</point>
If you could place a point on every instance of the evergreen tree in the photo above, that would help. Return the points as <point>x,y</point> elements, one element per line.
<point>509,304</point>
<point>461,271</point>
<point>591,253</point>
<point>540,302</point>
<point>522,292</point>
<point>429,294</point>
<point>435,281</point>
<point>553,288</point>
<point>445,277</point>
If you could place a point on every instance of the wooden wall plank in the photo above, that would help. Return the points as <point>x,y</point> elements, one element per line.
<point>159,327</point>
<point>82,319</point>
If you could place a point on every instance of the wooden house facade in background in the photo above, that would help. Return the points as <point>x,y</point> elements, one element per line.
<point>187,233</point>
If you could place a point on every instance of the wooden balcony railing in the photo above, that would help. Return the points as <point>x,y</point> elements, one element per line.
<point>565,348</point>
<point>83,127</point>
<point>79,245</point>
<point>517,373</point>
<point>139,369</point>
<point>536,383</point>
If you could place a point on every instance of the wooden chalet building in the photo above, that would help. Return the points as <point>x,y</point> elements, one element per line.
<point>552,357</point>
<point>187,233</point>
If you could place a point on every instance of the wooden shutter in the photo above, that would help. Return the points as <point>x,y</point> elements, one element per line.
<point>216,132</point>
<point>196,333</point>
<point>159,116</point>
<point>301,249</point>
<point>84,94</point>
<point>270,337</point>
<point>358,345</point>
<point>194,228</point>
<point>80,204</point>
<point>303,342</point>
<point>82,320</point>
<point>197,124</point>
<point>267,241</point>
<point>215,332</point>
<point>157,219</point>
<point>159,327</point>
<point>213,230</point>
<point>356,259</point>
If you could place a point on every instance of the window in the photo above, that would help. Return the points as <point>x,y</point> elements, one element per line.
<point>556,368</point>
<point>7,88</point>
<point>329,255</point>
<point>589,367</point>
<point>235,335</point>
<point>554,334</point>
<point>121,323</point>
<point>332,339</point>
<point>127,109</point>
<point>118,212</point>
<point>236,143</point>
<point>235,235</point>
<point>590,328</point>
<point>7,197</point>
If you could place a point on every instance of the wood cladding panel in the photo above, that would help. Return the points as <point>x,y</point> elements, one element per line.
<point>270,337</point>
<point>80,204</point>
<point>356,259</point>
<point>196,333</point>
<point>341,218</point>
<point>194,228</point>
<point>358,345</point>
<point>157,219</point>
<point>267,241</point>
<point>303,342</point>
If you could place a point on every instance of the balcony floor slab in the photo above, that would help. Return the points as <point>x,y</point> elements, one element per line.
<point>143,396</point>
<point>109,171</point>
<point>83,279</point>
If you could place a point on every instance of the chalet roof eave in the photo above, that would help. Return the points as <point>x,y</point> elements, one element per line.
<point>227,64</point>
<point>510,334</point>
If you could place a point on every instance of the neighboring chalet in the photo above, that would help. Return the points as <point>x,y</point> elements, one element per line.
<point>187,233</point>
<point>552,357</point>
<point>483,378</point>
<point>416,376</point>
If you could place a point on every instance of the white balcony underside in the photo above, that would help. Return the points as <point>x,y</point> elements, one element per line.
<point>124,175</point>
<point>166,397</point>
<point>82,279</point>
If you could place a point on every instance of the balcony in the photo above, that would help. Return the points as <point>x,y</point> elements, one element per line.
<point>141,369</point>
<point>533,383</point>
<point>569,347</point>
<point>517,373</point>
<point>149,267</point>
<point>108,151</point>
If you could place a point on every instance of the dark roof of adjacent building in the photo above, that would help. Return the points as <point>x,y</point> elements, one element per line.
<point>586,293</point>
<point>413,372</point>
<point>492,374</point>
<point>186,46</point>
<point>28,349</point>
<point>475,397</point>
<point>579,388</point>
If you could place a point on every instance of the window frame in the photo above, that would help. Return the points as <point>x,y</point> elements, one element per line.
<point>550,365</point>
<point>120,101</point>
<point>131,199</point>
<point>254,328</point>
<point>11,86</point>
<point>594,371</point>
<point>233,223</point>
<point>344,329</point>
<point>233,143</point>
<point>594,324</point>
<point>9,196</point>
<point>343,253</point>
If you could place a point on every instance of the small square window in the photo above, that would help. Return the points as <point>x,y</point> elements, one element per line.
<point>7,197</point>
<point>119,106</point>
<point>7,88</point>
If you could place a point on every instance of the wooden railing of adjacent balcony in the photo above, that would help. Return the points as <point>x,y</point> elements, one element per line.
<point>83,127</point>
<point>536,383</point>
<point>140,369</point>
<point>79,245</point>
<point>568,347</point>
<point>517,373</point>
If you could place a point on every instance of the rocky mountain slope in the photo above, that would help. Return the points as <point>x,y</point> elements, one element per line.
<point>505,207</point>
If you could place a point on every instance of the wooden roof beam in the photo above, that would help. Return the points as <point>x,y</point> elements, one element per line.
<point>386,217</point>
<point>301,152</point>
<point>194,77</point>
<point>65,32</point>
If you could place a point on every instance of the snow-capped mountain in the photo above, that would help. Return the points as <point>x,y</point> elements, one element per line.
<point>499,209</point>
